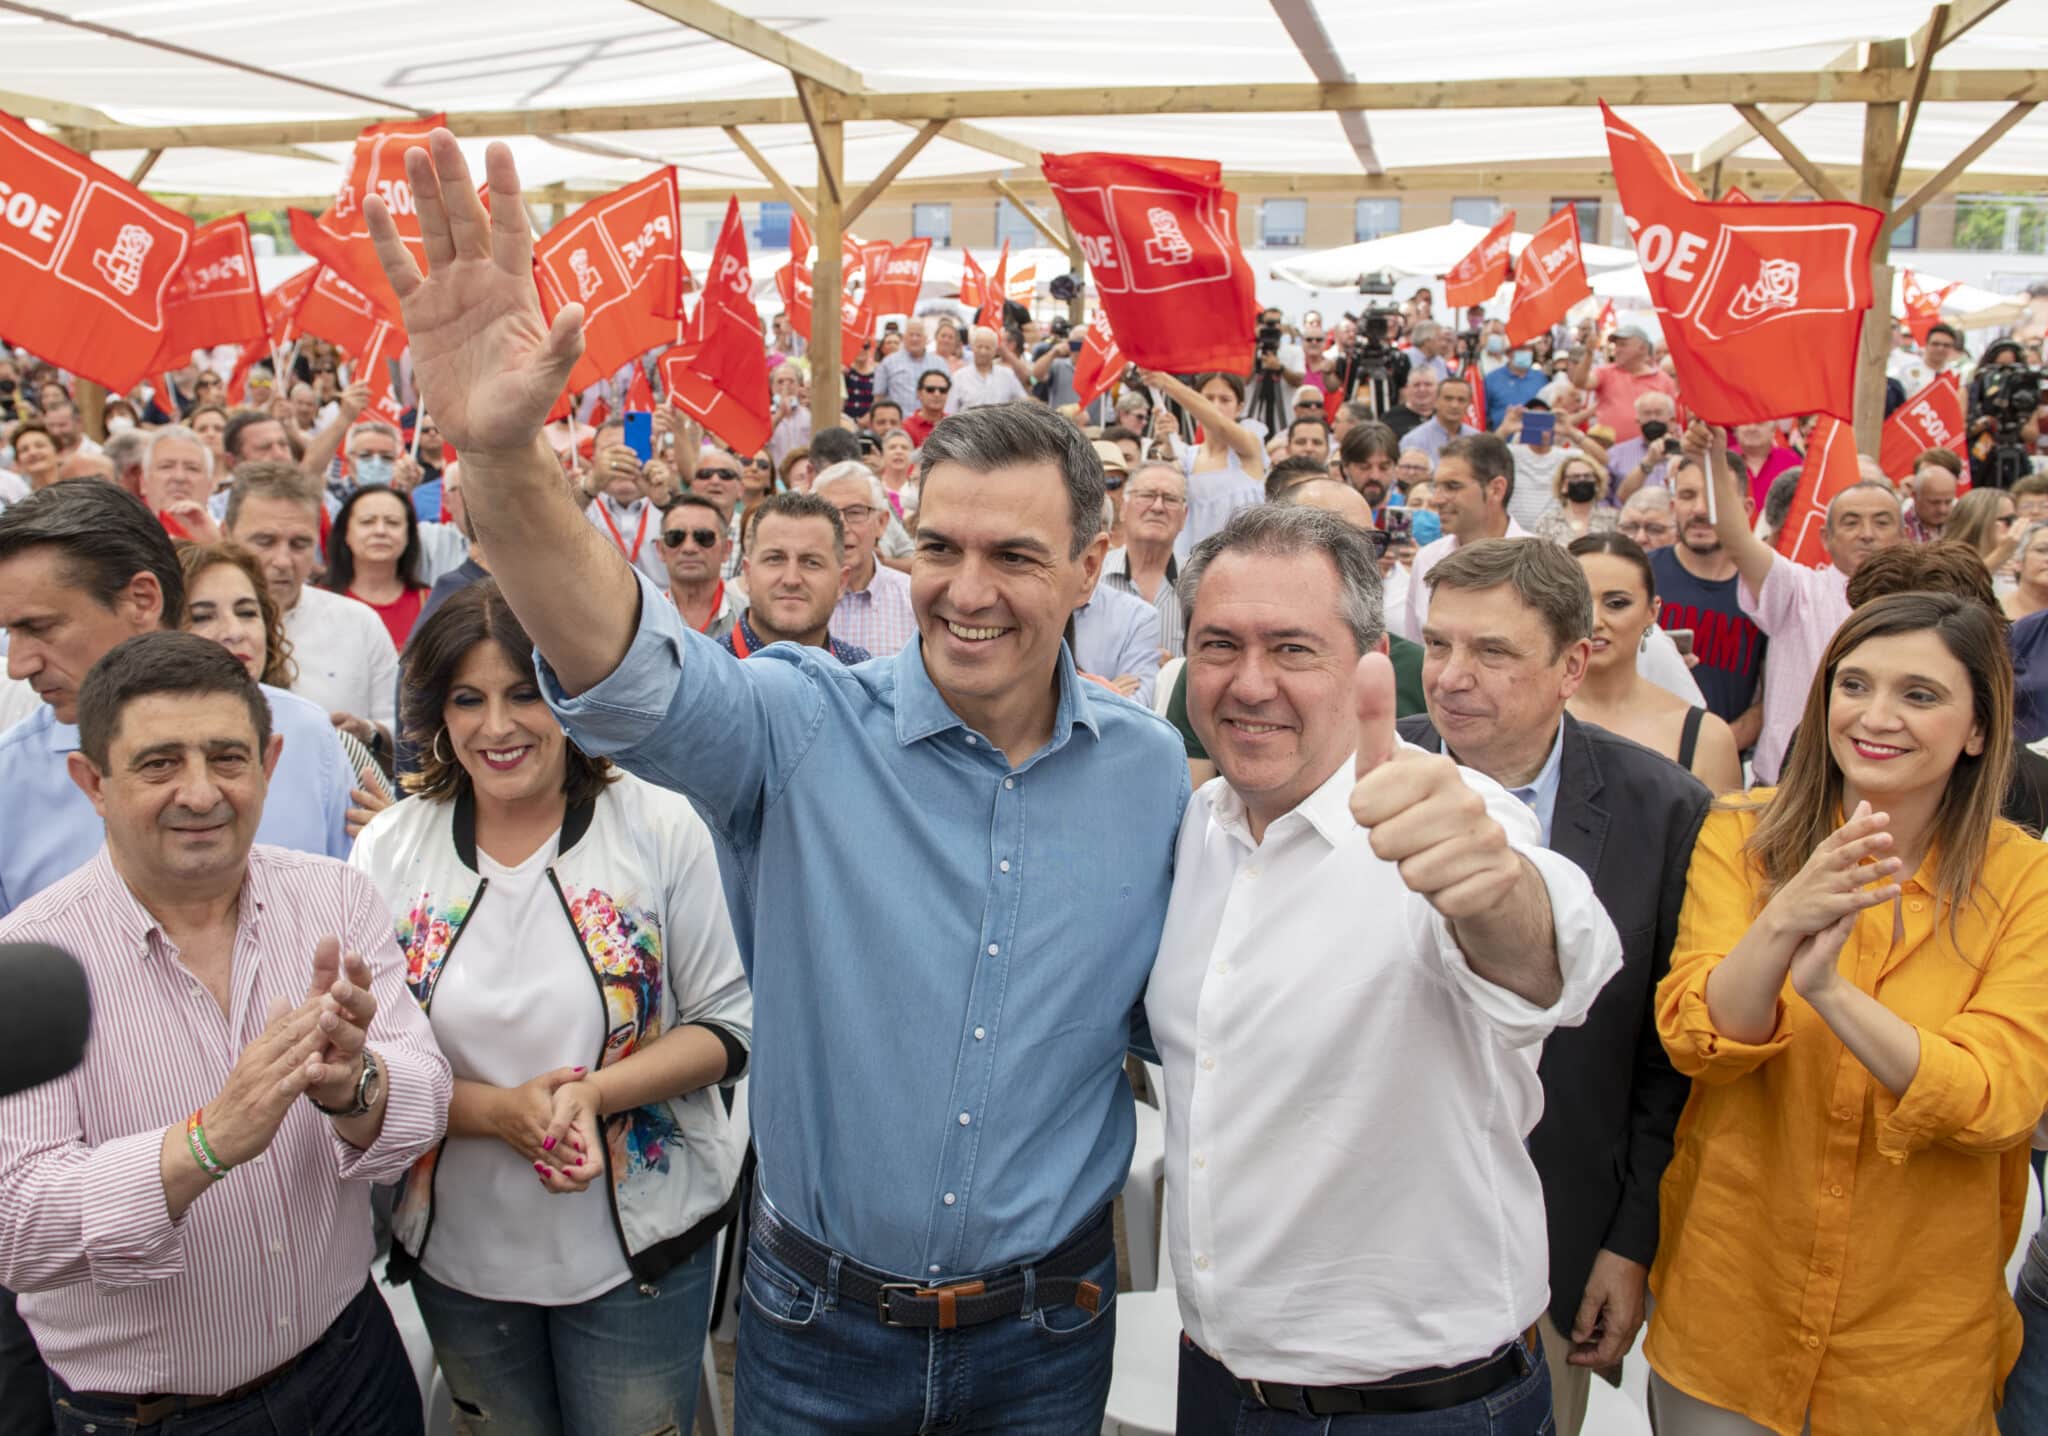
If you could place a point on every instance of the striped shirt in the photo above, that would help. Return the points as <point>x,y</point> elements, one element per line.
<point>879,617</point>
<point>1116,573</point>
<point>120,1297</point>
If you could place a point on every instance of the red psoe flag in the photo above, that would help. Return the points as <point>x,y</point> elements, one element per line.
<point>340,239</point>
<point>992,291</point>
<point>1762,304</point>
<point>973,283</point>
<point>639,393</point>
<point>214,299</point>
<point>340,313</point>
<point>719,378</point>
<point>1161,238</point>
<point>1923,306</point>
<point>1830,468</point>
<point>1550,277</point>
<point>87,261</point>
<point>281,306</point>
<point>1100,362</point>
<point>374,366</point>
<point>1931,419</point>
<point>1475,410</point>
<point>619,257</point>
<point>793,280</point>
<point>893,287</point>
<point>1604,325</point>
<point>1479,275</point>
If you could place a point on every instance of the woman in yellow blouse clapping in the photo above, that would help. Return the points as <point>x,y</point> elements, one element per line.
<point>1859,990</point>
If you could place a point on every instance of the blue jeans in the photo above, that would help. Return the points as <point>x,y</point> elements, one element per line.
<point>356,1380</point>
<point>623,1363</point>
<point>2025,1412</point>
<point>1210,1405</point>
<point>810,1363</point>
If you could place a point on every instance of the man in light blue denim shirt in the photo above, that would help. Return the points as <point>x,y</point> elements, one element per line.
<point>947,869</point>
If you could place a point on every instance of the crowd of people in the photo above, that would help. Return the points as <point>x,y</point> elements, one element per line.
<point>1557,917</point>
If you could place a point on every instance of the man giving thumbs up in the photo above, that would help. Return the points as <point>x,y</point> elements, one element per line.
<point>1365,948</point>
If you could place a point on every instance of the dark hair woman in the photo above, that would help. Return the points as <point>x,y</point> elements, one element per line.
<point>374,557</point>
<point>1859,989</point>
<point>565,931</point>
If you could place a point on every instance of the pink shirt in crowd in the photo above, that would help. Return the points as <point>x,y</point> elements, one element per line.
<point>1799,610</point>
<point>1615,392</point>
<point>120,1297</point>
<point>1775,463</point>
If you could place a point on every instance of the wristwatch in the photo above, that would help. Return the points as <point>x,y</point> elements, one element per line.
<point>368,1088</point>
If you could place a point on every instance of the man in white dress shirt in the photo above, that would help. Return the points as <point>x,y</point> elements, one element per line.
<point>1365,949</point>
<point>342,649</point>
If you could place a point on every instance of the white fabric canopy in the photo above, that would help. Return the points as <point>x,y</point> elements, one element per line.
<point>1420,253</point>
<point>352,58</point>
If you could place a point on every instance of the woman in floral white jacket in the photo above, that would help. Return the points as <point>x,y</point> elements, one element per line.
<point>565,932</point>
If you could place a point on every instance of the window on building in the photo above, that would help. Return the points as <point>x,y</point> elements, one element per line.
<point>2002,223</point>
<point>1376,217</point>
<point>1283,223</point>
<point>771,226</point>
<point>1907,235</point>
<point>933,222</point>
<point>1482,211</point>
<point>1011,225</point>
<point>1589,216</point>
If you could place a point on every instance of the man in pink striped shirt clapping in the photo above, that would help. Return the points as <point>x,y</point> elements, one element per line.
<point>186,1217</point>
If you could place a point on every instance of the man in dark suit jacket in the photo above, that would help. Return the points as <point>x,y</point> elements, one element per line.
<point>1628,817</point>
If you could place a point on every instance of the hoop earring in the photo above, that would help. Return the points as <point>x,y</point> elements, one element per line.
<point>435,748</point>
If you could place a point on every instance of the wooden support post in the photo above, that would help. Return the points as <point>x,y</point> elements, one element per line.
<point>1932,31</point>
<point>141,171</point>
<point>1880,149</point>
<point>827,283</point>
<point>91,400</point>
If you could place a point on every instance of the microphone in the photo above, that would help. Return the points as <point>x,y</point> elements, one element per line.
<point>45,1017</point>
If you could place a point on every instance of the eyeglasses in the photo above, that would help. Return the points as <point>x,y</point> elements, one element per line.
<point>1143,498</point>
<point>933,388</point>
<point>1640,532</point>
<point>856,513</point>
<point>703,538</point>
<point>731,476</point>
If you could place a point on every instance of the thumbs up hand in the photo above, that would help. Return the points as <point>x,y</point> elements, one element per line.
<point>1422,816</point>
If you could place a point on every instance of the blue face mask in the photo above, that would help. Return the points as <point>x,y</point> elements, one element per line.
<point>1521,358</point>
<point>1427,526</point>
<point>373,469</point>
<point>1496,344</point>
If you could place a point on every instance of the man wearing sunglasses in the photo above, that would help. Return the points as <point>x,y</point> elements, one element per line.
<point>717,478</point>
<point>933,389</point>
<point>694,546</point>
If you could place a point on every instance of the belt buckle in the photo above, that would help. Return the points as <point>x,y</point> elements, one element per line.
<point>945,1296</point>
<point>882,1294</point>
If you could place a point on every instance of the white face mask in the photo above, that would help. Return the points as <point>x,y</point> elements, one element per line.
<point>373,468</point>
<point>120,424</point>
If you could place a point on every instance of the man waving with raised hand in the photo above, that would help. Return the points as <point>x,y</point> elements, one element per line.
<point>1366,946</point>
<point>938,1095</point>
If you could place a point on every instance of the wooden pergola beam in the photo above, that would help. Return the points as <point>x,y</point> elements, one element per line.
<point>1801,87</point>
<point>1726,144</point>
<point>141,171</point>
<point>1963,17</point>
<point>1053,237</point>
<point>1949,173</point>
<point>758,40</point>
<point>975,137</point>
<point>1305,28</point>
<point>1931,35</point>
<point>832,156</point>
<point>784,190</point>
<point>858,205</point>
<point>1805,168</point>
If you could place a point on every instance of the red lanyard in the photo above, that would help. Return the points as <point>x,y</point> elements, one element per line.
<point>632,555</point>
<point>717,602</point>
<point>739,640</point>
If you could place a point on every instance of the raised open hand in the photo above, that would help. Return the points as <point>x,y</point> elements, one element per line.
<point>488,367</point>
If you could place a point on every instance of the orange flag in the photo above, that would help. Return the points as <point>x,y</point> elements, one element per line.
<point>1550,277</point>
<point>1475,278</point>
<point>1931,419</point>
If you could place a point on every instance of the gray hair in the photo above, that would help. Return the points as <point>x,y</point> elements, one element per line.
<point>853,469</point>
<point>1650,496</point>
<point>1164,466</point>
<point>1427,330</point>
<point>373,426</point>
<point>1778,497</point>
<point>1023,431</point>
<point>125,449</point>
<point>180,434</point>
<point>1882,486</point>
<point>1283,531</point>
<point>1543,576</point>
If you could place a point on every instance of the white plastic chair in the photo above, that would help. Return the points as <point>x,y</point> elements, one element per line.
<point>1145,1374</point>
<point>1141,1186</point>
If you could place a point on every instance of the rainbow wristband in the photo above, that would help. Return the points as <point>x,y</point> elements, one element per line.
<point>202,1152</point>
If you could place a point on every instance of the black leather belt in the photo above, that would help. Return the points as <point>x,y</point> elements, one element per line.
<point>1059,1279</point>
<point>1433,1388</point>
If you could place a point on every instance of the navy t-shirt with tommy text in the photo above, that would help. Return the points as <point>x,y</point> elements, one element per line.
<point>1729,644</point>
